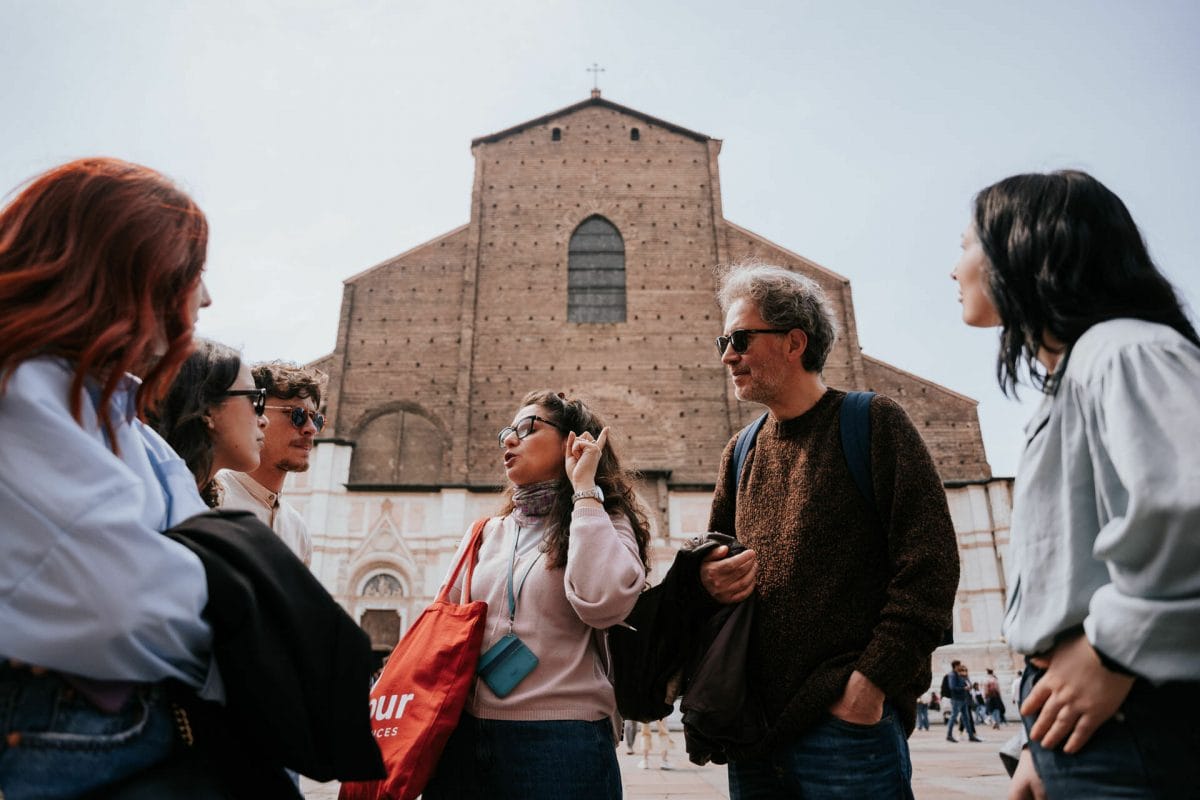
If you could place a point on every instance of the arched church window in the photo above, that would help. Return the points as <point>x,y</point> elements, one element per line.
<point>398,448</point>
<point>634,134</point>
<point>596,273</point>
<point>556,134</point>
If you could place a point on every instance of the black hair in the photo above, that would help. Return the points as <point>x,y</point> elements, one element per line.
<point>1064,254</point>
<point>181,418</point>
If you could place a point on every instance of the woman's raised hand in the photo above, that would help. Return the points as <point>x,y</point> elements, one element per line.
<point>582,458</point>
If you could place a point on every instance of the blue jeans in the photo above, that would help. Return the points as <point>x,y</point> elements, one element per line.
<point>833,759</point>
<point>922,717</point>
<point>54,743</point>
<point>1147,750</point>
<point>524,760</point>
<point>960,709</point>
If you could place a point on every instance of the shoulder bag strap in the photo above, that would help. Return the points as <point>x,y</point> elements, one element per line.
<point>467,558</point>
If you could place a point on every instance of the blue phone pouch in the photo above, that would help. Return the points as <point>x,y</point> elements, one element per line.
<point>505,664</point>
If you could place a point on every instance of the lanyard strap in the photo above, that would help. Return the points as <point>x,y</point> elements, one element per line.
<point>512,564</point>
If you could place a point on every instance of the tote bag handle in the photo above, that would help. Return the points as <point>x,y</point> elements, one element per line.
<point>467,558</point>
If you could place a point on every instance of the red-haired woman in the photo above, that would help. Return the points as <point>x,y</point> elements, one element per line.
<point>100,284</point>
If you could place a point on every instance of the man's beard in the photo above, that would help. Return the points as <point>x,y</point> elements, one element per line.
<point>286,465</point>
<point>763,390</point>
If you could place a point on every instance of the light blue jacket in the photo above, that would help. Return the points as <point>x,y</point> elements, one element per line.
<point>1106,506</point>
<point>88,585</point>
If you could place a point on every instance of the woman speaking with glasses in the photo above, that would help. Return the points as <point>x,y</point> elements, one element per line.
<point>213,416</point>
<point>565,558</point>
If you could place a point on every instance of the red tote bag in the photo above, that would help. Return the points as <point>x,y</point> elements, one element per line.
<point>417,701</point>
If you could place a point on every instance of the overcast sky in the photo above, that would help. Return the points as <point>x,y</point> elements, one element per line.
<point>323,138</point>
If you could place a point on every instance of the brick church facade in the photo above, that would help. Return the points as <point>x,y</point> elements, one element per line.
<point>586,266</point>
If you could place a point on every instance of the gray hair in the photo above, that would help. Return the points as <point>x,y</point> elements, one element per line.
<point>784,299</point>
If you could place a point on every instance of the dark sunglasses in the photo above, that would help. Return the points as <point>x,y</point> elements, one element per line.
<point>741,339</point>
<point>300,416</point>
<point>525,427</point>
<point>258,398</point>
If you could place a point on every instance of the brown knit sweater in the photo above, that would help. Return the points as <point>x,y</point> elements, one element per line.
<point>839,588</point>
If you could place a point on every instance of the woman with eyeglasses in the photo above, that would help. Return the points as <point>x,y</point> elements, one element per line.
<point>565,559</point>
<point>1104,559</point>
<point>214,416</point>
<point>100,284</point>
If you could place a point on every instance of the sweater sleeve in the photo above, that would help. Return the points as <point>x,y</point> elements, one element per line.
<point>922,551</point>
<point>604,574</point>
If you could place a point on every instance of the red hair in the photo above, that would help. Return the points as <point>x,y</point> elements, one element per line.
<point>98,261</point>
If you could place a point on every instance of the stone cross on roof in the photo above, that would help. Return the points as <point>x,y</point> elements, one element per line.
<point>595,69</point>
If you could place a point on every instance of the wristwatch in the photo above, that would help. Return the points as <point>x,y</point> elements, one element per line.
<point>595,492</point>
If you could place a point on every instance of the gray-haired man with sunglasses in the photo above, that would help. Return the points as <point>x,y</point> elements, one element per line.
<point>293,400</point>
<point>852,591</point>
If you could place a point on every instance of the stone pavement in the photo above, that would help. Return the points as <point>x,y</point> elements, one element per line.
<point>941,771</point>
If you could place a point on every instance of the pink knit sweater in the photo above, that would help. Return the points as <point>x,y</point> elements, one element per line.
<point>556,614</point>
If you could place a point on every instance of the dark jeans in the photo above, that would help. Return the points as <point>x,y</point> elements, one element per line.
<point>54,743</point>
<point>922,717</point>
<point>834,759</point>
<point>519,760</point>
<point>1149,749</point>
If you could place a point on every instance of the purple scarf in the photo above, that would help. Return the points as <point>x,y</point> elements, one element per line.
<point>534,501</point>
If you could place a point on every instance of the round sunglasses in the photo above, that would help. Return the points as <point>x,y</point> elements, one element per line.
<point>299,416</point>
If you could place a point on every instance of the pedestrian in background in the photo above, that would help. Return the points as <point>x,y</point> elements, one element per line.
<point>665,743</point>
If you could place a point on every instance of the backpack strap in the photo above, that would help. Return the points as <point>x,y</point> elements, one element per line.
<point>744,440</point>
<point>856,441</point>
<point>856,444</point>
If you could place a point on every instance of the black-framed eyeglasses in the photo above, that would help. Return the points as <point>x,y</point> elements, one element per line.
<point>299,416</point>
<point>740,339</point>
<point>258,398</point>
<point>524,427</point>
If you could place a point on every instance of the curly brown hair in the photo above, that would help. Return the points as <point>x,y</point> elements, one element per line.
<point>286,380</point>
<point>611,477</point>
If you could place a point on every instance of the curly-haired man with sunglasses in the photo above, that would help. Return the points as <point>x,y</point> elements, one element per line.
<point>852,592</point>
<point>293,400</point>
